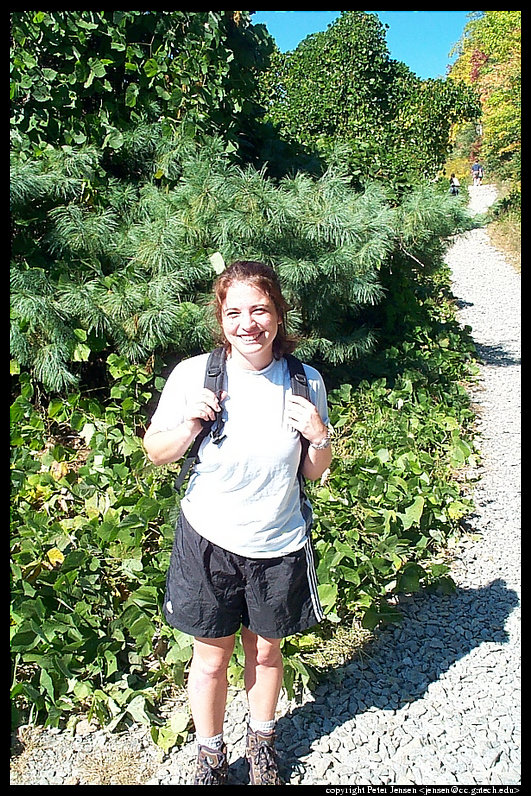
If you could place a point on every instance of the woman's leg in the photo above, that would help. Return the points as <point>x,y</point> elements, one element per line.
<point>263,674</point>
<point>207,683</point>
<point>263,680</point>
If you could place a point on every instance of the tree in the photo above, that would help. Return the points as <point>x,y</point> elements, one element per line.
<point>127,269</point>
<point>103,104</point>
<point>112,236</point>
<point>341,92</point>
<point>489,58</point>
<point>85,77</point>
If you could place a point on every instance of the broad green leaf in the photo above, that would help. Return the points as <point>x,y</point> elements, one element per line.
<point>179,721</point>
<point>370,619</point>
<point>131,95</point>
<point>412,514</point>
<point>151,67</point>
<point>327,595</point>
<point>114,139</point>
<point>137,709</point>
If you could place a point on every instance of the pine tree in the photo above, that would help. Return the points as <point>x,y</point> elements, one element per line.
<point>121,265</point>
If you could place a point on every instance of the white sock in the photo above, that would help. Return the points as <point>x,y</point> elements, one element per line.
<point>215,742</point>
<point>262,726</point>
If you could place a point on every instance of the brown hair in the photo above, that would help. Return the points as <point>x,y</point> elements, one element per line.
<point>264,278</point>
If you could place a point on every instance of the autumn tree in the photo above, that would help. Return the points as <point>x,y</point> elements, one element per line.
<point>489,58</point>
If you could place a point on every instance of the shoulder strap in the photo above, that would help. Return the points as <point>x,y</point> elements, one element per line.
<point>299,386</point>
<point>299,382</point>
<point>214,375</point>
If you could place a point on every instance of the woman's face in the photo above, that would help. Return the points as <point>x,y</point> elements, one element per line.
<point>250,324</point>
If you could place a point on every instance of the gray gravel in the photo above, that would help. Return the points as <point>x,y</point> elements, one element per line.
<point>435,701</point>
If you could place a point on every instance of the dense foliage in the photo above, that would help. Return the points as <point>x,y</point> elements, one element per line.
<point>126,268</point>
<point>87,77</point>
<point>133,138</point>
<point>340,92</point>
<point>94,521</point>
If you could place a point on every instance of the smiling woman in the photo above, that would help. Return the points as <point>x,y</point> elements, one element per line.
<point>242,555</point>
<point>247,286</point>
<point>250,325</point>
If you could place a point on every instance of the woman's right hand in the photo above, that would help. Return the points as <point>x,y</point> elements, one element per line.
<point>205,407</point>
<point>164,447</point>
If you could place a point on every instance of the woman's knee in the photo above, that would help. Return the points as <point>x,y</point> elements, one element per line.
<point>212,656</point>
<point>264,651</point>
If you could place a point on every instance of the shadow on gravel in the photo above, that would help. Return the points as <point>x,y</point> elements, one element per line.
<point>396,668</point>
<point>461,303</point>
<point>496,355</point>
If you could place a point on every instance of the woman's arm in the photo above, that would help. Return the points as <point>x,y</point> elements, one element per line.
<point>316,462</point>
<point>163,447</point>
<point>303,416</point>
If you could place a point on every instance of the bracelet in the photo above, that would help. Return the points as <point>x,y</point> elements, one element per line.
<point>325,443</point>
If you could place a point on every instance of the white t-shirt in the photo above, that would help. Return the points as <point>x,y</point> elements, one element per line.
<point>244,494</point>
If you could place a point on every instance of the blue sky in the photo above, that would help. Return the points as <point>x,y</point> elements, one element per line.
<point>421,39</point>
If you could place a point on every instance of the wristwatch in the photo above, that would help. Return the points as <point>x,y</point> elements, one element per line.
<point>325,443</point>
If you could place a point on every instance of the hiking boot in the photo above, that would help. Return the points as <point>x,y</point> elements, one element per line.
<point>211,766</point>
<point>261,755</point>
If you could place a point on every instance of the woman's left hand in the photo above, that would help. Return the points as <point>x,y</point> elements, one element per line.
<point>304,417</point>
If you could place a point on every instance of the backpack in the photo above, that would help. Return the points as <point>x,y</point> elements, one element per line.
<point>214,376</point>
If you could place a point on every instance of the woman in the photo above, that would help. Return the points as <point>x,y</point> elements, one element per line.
<point>454,185</point>
<point>242,554</point>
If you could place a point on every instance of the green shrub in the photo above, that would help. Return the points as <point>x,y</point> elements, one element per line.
<point>92,531</point>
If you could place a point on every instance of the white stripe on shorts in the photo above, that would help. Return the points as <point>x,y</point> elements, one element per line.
<point>312,582</point>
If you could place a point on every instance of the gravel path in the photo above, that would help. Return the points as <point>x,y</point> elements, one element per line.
<point>436,699</point>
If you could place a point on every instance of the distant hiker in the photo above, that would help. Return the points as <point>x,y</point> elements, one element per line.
<point>477,172</point>
<point>454,185</point>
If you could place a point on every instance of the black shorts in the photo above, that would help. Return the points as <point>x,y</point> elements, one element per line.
<point>211,592</point>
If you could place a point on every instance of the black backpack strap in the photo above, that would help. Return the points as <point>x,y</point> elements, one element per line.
<point>214,376</point>
<point>297,374</point>
<point>299,386</point>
